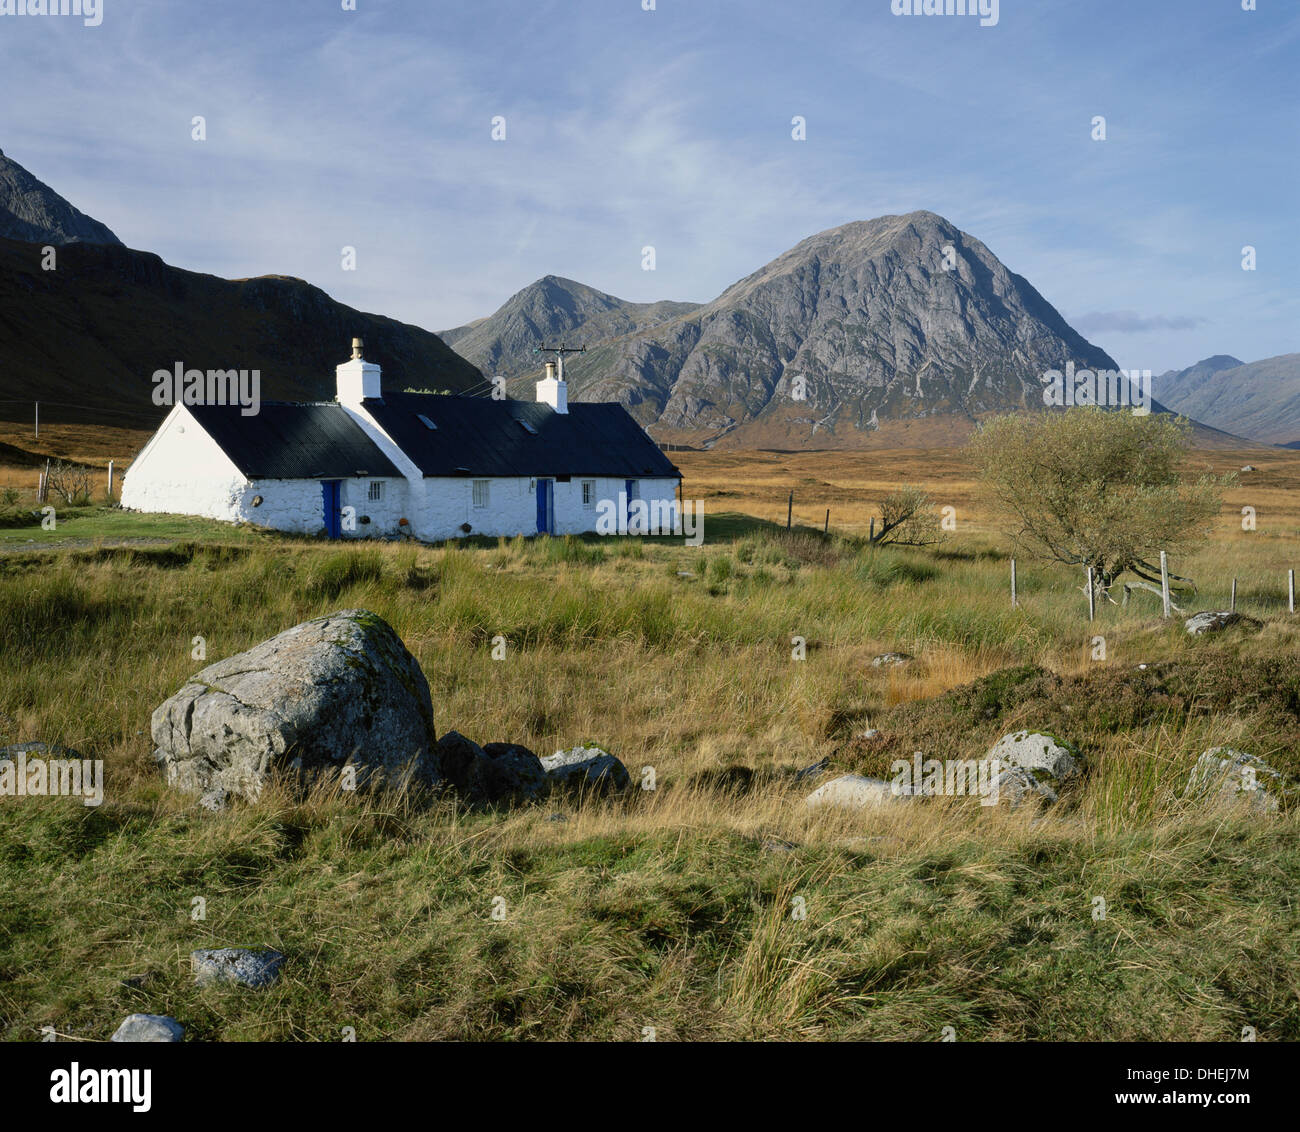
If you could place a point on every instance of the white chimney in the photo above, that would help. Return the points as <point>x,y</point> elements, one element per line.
<point>552,390</point>
<point>358,380</point>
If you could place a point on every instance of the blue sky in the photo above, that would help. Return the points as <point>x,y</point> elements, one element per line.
<point>624,128</point>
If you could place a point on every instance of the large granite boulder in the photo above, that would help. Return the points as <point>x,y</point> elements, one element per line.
<point>335,691</point>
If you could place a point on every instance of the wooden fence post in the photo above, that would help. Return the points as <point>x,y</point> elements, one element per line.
<point>1164,581</point>
<point>826,527</point>
<point>1013,583</point>
<point>1092,608</point>
<point>789,511</point>
<point>1233,607</point>
<point>1290,591</point>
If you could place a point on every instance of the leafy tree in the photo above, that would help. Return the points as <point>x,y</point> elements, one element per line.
<point>1099,488</point>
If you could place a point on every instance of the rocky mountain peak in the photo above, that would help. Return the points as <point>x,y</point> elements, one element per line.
<point>33,212</point>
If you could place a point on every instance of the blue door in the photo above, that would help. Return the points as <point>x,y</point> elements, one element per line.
<point>631,489</point>
<point>545,506</point>
<point>333,518</point>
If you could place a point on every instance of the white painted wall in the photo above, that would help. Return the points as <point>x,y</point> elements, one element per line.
<point>183,471</point>
<point>512,506</point>
<point>298,506</point>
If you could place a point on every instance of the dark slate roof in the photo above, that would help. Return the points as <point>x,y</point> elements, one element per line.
<point>477,436</point>
<point>288,441</point>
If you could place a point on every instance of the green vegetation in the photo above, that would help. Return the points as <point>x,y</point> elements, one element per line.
<point>669,909</point>
<point>1099,489</point>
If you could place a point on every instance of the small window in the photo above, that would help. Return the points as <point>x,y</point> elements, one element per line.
<point>589,494</point>
<point>426,422</point>
<point>482,493</point>
<point>376,492</point>
<point>527,426</point>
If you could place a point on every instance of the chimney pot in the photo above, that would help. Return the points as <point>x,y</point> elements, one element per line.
<point>551,389</point>
<point>356,347</point>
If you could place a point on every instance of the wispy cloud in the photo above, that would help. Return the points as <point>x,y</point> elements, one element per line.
<point>371,129</point>
<point>1130,322</point>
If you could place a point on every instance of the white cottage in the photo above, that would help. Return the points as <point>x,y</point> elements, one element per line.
<point>431,466</point>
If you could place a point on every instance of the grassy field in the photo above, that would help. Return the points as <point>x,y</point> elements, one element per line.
<point>670,909</point>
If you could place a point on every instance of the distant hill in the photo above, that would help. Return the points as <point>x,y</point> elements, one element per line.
<point>1259,400</point>
<point>900,328</point>
<point>93,332</point>
<point>552,308</point>
<point>32,211</point>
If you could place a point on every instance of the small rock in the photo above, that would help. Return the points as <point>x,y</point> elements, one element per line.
<point>245,966</point>
<point>498,772</point>
<point>559,818</point>
<point>892,660</point>
<point>513,773</point>
<point>586,768</point>
<point>1248,468</point>
<point>461,761</point>
<point>148,1028</point>
<point>1215,621</point>
<point>814,771</point>
<point>1038,753</point>
<point>855,792</point>
<point>37,748</point>
<point>1224,776</point>
<point>870,735</point>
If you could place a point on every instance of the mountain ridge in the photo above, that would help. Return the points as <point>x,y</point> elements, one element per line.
<point>1259,400</point>
<point>903,317</point>
<point>552,306</point>
<point>33,212</point>
<point>93,332</point>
